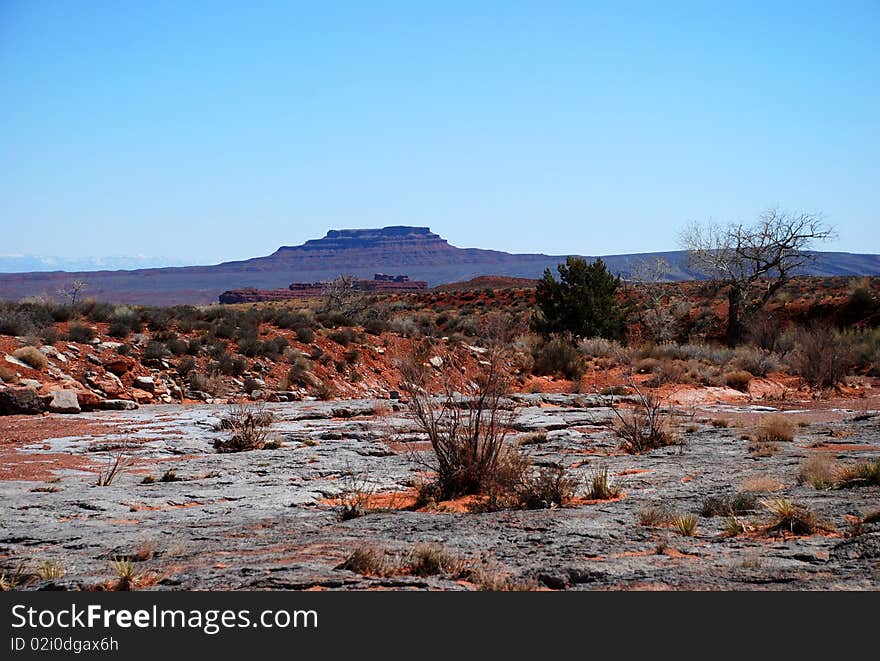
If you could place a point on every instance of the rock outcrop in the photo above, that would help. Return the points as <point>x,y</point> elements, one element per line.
<point>20,401</point>
<point>381,283</point>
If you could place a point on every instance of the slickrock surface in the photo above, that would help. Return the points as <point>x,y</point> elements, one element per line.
<point>266,519</point>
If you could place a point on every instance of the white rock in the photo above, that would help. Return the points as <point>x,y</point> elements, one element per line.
<point>436,362</point>
<point>64,401</point>
<point>16,361</point>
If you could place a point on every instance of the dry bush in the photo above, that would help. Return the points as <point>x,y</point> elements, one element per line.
<point>741,503</point>
<point>431,560</point>
<point>209,383</point>
<point>755,361</point>
<point>599,347</point>
<point>127,576</point>
<point>250,426</point>
<point>771,431</point>
<point>654,516</point>
<point>787,516</point>
<point>467,423</point>
<point>115,464</point>
<point>532,438</point>
<point>760,484</point>
<point>738,380</point>
<point>354,499</point>
<point>819,356</point>
<point>602,486</point>
<point>33,357</point>
<point>559,357</point>
<point>819,470</point>
<point>762,448</point>
<point>774,429</point>
<point>10,579</point>
<point>646,426</point>
<point>369,560</point>
<point>551,486</point>
<point>864,473</point>
<point>669,371</point>
<point>492,580</point>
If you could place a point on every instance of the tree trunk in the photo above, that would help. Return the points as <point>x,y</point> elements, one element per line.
<point>735,330</point>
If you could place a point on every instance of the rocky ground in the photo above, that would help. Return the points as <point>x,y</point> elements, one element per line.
<point>269,519</point>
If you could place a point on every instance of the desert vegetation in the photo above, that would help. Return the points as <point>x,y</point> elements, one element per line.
<point>498,439</point>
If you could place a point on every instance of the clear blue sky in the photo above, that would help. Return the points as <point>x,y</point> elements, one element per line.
<point>219,130</point>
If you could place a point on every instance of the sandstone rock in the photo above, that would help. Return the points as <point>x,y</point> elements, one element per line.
<point>141,396</point>
<point>88,400</point>
<point>145,383</point>
<point>109,386</point>
<point>64,401</point>
<point>119,365</point>
<point>118,405</point>
<point>18,363</point>
<point>109,346</point>
<point>93,359</point>
<point>16,401</point>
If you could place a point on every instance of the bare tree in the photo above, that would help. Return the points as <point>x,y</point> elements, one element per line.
<point>342,296</point>
<point>72,291</point>
<point>753,261</point>
<point>650,278</point>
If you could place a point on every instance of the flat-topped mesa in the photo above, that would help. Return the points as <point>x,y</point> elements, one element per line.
<point>398,236</point>
<point>381,283</point>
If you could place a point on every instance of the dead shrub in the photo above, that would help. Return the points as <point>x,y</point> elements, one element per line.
<point>368,560</point>
<point>644,427</point>
<point>432,560</point>
<point>818,470</point>
<point>467,424</point>
<point>760,484</point>
<point>354,499</point>
<point>654,516</point>
<point>250,426</point>
<point>774,429</point>
<point>864,473</point>
<point>33,357</point>
<point>741,503</point>
<point>738,380</point>
<point>762,448</point>
<point>115,464</point>
<point>551,486</point>
<point>819,357</point>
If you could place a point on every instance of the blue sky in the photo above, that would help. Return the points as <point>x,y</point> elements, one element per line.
<point>221,130</point>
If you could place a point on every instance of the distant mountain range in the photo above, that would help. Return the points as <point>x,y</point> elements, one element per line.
<point>30,263</point>
<point>414,251</point>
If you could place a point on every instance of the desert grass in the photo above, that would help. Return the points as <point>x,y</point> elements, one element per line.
<point>602,486</point>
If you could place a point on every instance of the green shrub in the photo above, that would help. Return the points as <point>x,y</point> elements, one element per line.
<point>80,333</point>
<point>305,335</point>
<point>583,302</point>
